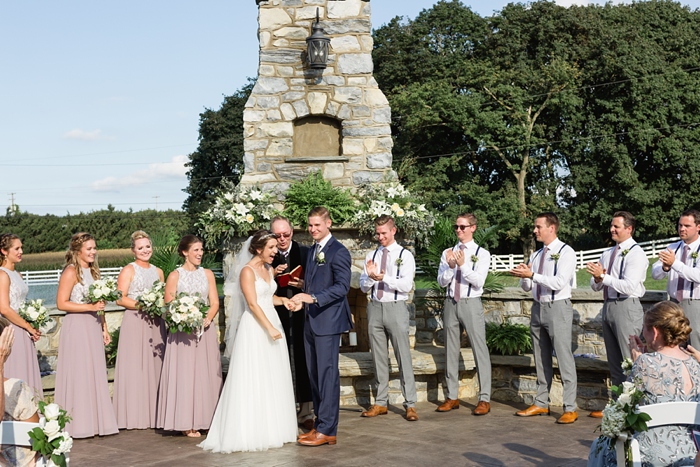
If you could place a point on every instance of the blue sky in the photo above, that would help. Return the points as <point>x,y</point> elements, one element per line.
<point>100,100</point>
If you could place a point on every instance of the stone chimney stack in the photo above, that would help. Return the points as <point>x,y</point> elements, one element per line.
<point>299,120</point>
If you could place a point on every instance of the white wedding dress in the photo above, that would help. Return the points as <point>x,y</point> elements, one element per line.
<point>256,410</point>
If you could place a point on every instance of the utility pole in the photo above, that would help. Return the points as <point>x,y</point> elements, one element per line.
<point>13,207</point>
<point>156,197</point>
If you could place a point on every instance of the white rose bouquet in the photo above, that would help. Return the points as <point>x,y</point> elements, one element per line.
<point>152,301</point>
<point>35,313</point>
<point>186,313</point>
<point>103,290</point>
<point>51,440</point>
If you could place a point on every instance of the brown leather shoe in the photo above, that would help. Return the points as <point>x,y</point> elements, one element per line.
<point>448,405</point>
<point>307,424</point>
<point>533,410</point>
<point>411,414</point>
<point>374,411</point>
<point>482,408</point>
<point>596,414</point>
<point>318,439</point>
<point>567,417</point>
<point>306,435</point>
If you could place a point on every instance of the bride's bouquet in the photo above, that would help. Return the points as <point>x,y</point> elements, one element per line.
<point>103,290</point>
<point>152,301</point>
<point>50,439</point>
<point>35,313</point>
<point>186,313</point>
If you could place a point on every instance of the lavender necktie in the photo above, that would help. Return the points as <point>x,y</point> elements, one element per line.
<point>380,286</point>
<point>681,282</point>
<point>606,295</point>
<point>540,270</point>
<point>458,279</point>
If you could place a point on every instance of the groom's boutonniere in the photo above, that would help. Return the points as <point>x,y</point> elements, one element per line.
<point>694,255</point>
<point>474,258</point>
<point>399,262</point>
<point>624,252</point>
<point>321,258</point>
<point>555,257</point>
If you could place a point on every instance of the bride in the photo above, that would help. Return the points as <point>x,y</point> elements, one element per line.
<point>256,410</point>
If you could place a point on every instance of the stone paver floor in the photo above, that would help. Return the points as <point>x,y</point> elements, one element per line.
<point>456,438</point>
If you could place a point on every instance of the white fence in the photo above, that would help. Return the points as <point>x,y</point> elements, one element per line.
<point>651,248</point>
<point>52,276</point>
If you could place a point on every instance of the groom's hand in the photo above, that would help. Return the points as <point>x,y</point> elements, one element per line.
<point>302,298</point>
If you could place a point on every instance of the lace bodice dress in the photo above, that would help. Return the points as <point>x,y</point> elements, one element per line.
<point>192,282</point>
<point>18,288</point>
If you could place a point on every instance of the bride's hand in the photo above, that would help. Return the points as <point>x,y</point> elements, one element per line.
<point>274,333</point>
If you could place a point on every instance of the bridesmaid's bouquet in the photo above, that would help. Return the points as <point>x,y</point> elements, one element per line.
<point>50,439</point>
<point>186,313</point>
<point>103,290</point>
<point>35,313</point>
<point>152,301</point>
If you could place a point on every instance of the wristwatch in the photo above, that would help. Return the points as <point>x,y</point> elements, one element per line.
<point>313,297</point>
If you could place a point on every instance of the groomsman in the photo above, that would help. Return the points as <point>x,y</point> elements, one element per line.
<point>326,286</point>
<point>463,271</point>
<point>290,255</point>
<point>552,315</point>
<point>388,273</point>
<point>620,273</point>
<point>679,262</point>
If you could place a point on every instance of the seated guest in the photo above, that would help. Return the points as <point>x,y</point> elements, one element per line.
<point>17,401</point>
<point>665,374</point>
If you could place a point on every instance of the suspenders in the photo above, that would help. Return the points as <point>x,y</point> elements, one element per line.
<point>398,271</point>
<point>469,291</point>
<point>695,261</point>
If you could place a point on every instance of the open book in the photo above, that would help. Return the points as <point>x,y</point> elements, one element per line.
<point>296,273</point>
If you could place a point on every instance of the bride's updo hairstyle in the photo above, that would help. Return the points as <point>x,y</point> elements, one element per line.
<point>669,319</point>
<point>259,240</point>
<point>186,242</point>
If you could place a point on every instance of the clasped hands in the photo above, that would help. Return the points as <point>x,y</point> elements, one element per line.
<point>667,258</point>
<point>522,271</point>
<point>596,270</point>
<point>454,258</point>
<point>292,304</point>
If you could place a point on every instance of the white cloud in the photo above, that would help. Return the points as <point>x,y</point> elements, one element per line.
<point>82,135</point>
<point>175,169</point>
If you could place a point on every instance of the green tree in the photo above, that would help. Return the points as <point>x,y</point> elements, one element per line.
<point>220,151</point>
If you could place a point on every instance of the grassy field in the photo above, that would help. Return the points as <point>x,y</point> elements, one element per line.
<point>55,260</point>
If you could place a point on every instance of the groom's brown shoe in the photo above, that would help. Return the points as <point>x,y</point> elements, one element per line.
<point>318,439</point>
<point>411,414</point>
<point>374,411</point>
<point>306,435</point>
<point>448,405</point>
<point>567,417</point>
<point>532,410</point>
<point>482,408</point>
<point>596,414</point>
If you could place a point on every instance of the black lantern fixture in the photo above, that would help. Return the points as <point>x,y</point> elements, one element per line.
<point>317,47</point>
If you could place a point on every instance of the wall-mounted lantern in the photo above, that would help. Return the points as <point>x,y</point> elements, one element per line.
<point>318,45</point>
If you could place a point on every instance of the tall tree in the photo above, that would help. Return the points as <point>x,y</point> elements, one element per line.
<point>220,151</point>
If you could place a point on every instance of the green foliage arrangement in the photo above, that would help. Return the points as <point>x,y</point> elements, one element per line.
<point>111,348</point>
<point>314,191</point>
<point>412,219</point>
<point>508,339</point>
<point>236,212</point>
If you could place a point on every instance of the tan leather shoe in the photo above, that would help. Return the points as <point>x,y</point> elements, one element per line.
<point>533,410</point>
<point>596,414</point>
<point>318,439</point>
<point>306,435</point>
<point>567,417</point>
<point>448,405</point>
<point>411,414</point>
<point>482,408</point>
<point>374,411</point>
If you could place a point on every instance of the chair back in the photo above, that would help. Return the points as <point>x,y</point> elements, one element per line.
<point>16,433</point>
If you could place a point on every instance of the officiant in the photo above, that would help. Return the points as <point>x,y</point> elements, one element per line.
<point>291,255</point>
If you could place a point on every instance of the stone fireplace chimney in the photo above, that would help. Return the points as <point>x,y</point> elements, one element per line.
<point>299,120</point>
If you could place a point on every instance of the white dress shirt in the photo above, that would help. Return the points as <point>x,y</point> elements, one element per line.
<point>398,278</point>
<point>689,271</point>
<point>559,283</point>
<point>473,274</point>
<point>634,271</point>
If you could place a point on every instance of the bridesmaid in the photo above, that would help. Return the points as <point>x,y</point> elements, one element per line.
<point>22,362</point>
<point>191,379</point>
<point>141,342</point>
<point>81,372</point>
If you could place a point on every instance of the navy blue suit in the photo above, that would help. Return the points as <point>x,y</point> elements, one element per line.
<point>325,321</point>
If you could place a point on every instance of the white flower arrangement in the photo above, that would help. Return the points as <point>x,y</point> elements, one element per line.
<point>411,217</point>
<point>35,313</point>
<point>152,301</point>
<point>237,211</point>
<point>186,313</point>
<point>50,439</point>
<point>103,290</point>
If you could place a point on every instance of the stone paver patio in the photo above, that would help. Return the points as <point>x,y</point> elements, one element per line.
<point>438,439</point>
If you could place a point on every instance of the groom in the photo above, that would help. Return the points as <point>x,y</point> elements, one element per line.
<point>326,285</point>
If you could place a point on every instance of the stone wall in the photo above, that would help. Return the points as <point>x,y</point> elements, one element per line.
<point>287,90</point>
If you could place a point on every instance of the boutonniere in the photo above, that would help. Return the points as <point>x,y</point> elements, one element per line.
<point>624,252</point>
<point>555,256</point>
<point>399,262</point>
<point>694,255</point>
<point>474,258</point>
<point>321,258</point>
